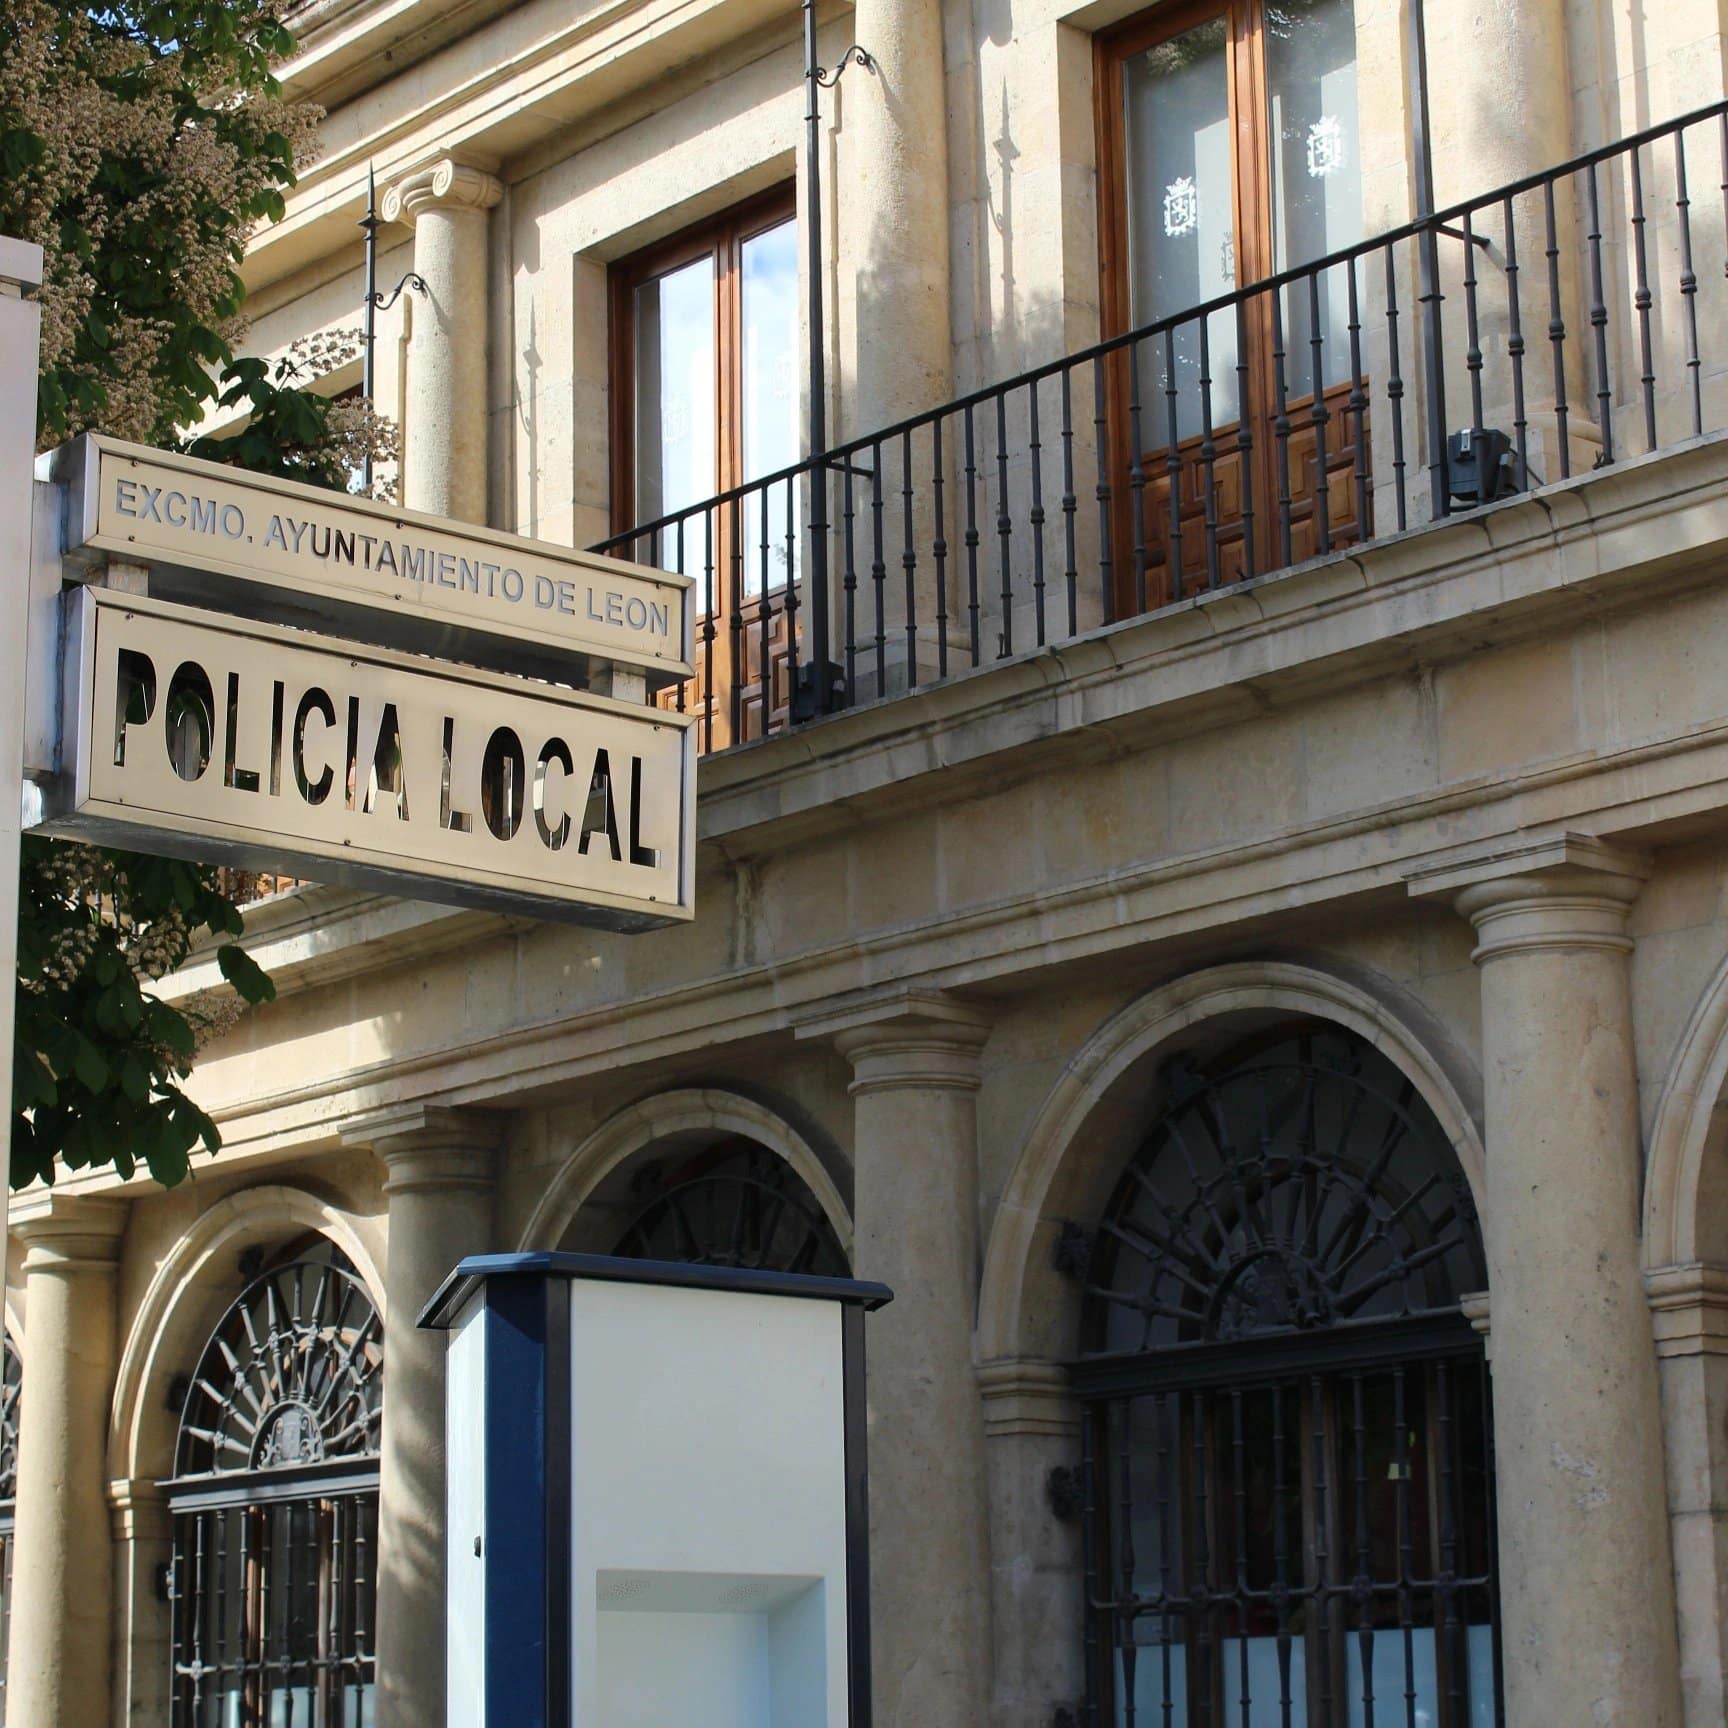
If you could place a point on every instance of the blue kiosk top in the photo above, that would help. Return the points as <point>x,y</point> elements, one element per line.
<point>451,1297</point>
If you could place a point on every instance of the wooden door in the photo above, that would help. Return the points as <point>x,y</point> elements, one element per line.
<point>1221,164</point>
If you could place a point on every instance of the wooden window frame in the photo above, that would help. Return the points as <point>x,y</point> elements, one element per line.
<point>723,238</point>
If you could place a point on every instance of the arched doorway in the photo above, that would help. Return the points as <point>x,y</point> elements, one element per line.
<point>275,1505</point>
<point>1288,1444</point>
<point>735,1203</point>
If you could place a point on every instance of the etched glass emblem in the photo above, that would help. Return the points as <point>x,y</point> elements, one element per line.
<point>1181,206</point>
<point>1325,147</point>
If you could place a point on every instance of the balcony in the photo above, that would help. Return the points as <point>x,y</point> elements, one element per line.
<point>1536,333</point>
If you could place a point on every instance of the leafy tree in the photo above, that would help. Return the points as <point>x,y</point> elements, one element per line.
<point>140,144</point>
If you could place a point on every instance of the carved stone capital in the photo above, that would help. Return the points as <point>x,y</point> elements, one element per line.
<point>68,1232</point>
<point>910,1040</point>
<point>1569,893</point>
<point>1023,1396</point>
<point>442,185</point>
<point>427,1147</point>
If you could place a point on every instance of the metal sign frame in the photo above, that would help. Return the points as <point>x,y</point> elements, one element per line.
<point>295,774</point>
<point>322,560</point>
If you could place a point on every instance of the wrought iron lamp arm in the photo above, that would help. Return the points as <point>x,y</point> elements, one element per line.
<point>854,56</point>
<point>413,279</point>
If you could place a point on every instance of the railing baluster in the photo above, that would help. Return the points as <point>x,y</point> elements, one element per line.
<point>794,655</point>
<point>1324,1599</point>
<point>1641,301</point>
<point>1137,477</point>
<point>1200,1424</point>
<point>1208,458</point>
<point>764,617</point>
<point>1281,1556</point>
<point>1089,1583</point>
<point>878,568</point>
<point>1101,440</point>
<point>1004,527</point>
<point>1557,328</point>
<point>735,604</point>
<point>1515,350</point>
<point>1403,1540</point>
<point>1395,390</point>
<point>1363,1580</point>
<point>1318,414</point>
<point>1599,317</point>
<point>1281,426</point>
<point>684,684</point>
<point>972,530</point>
<point>1173,471</point>
<point>940,552</point>
<point>1358,409</point>
<point>1036,517</point>
<point>1688,283</point>
<point>1473,349</point>
<point>709,631</point>
<point>1070,563</point>
<point>849,577</point>
<point>1245,436</point>
<point>1447,1579</point>
<point>909,558</point>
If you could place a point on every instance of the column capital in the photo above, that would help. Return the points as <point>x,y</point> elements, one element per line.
<point>429,1146</point>
<point>1565,893</point>
<point>1026,1396</point>
<point>909,1040</point>
<point>445,184</point>
<point>68,1232</point>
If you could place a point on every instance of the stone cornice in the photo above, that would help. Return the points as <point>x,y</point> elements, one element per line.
<point>1689,1309</point>
<point>443,185</point>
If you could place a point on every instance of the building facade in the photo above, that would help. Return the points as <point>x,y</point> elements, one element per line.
<point>1211,877</point>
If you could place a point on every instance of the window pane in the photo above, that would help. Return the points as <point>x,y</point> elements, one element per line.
<point>1316,172</point>
<point>1182,217</point>
<point>676,399</point>
<point>770,371</point>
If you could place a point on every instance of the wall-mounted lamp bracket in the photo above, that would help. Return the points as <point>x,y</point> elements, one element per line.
<point>384,302</point>
<point>854,56</point>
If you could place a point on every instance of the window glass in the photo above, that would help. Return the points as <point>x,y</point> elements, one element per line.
<point>676,391</point>
<point>769,300</point>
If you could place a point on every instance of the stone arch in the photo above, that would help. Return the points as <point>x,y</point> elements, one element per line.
<point>187,1297</point>
<point>1686,1178</point>
<point>687,1113</point>
<point>1027,1311</point>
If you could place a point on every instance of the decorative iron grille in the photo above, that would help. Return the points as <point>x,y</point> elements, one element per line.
<point>738,1204</point>
<point>1288,1474</point>
<point>276,1508</point>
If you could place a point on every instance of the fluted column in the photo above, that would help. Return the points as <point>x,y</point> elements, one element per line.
<point>897,160</point>
<point>439,1185</point>
<point>1587,1581</point>
<point>444,430</point>
<point>915,1149</point>
<point>60,1663</point>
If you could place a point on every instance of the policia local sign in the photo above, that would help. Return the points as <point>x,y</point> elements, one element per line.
<point>334,754</point>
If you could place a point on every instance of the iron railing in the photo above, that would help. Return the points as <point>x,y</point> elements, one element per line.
<point>1523,336</point>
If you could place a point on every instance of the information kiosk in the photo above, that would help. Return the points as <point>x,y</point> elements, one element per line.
<point>657,1510</point>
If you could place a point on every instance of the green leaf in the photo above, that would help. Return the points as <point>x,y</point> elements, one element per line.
<point>249,978</point>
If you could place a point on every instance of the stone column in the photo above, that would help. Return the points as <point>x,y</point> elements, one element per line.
<point>1587,1578</point>
<point>60,1664</point>
<point>438,1184</point>
<point>915,1174</point>
<point>897,157</point>
<point>444,430</point>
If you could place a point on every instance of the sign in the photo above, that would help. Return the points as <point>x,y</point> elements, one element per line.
<point>302,555</point>
<point>249,744</point>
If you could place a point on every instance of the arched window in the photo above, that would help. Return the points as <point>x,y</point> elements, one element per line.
<point>1288,1454</point>
<point>275,1503</point>
<point>11,1384</point>
<point>733,1204</point>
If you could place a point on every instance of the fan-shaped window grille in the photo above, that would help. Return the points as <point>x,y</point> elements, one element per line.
<point>1287,1441</point>
<point>11,1385</point>
<point>737,1204</point>
<point>276,1506</point>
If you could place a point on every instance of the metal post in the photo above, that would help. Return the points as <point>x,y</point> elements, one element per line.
<point>20,350</point>
<point>369,329</point>
<point>1428,258</point>
<point>821,683</point>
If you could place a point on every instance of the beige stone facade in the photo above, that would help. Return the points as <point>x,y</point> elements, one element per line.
<point>1456,796</point>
